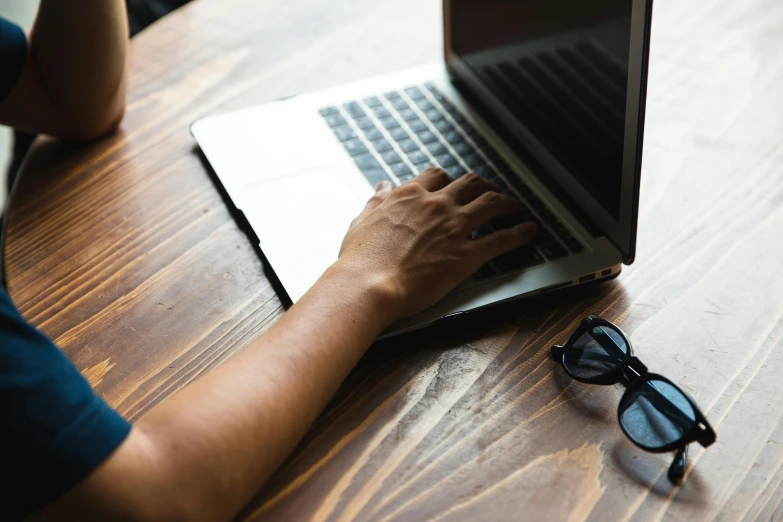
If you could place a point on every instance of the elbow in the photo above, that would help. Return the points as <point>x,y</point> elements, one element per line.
<point>96,125</point>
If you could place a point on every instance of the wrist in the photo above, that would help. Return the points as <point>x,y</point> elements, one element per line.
<point>378,293</point>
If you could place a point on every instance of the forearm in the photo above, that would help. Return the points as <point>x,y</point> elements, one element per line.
<point>220,438</point>
<point>201,454</point>
<point>80,52</point>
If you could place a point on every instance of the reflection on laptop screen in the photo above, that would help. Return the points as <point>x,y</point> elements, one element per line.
<point>561,68</point>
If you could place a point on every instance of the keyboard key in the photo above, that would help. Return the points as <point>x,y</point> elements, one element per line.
<point>400,169</point>
<point>354,109</point>
<point>391,95</point>
<point>424,104</point>
<point>408,115</point>
<point>399,134</point>
<point>505,190</point>
<point>417,125</point>
<point>445,104</point>
<point>417,156</point>
<point>381,112</point>
<point>445,160</point>
<point>485,171</point>
<point>373,134</point>
<point>344,133</point>
<point>373,101</point>
<point>491,153</point>
<point>414,92</point>
<point>480,142</point>
<point>367,162</point>
<point>561,231</point>
<point>406,177</point>
<point>390,157</point>
<point>443,126</point>
<point>544,237</point>
<point>407,145</point>
<point>502,166</point>
<point>426,137</point>
<point>525,257</point>
<point>521,187</point>
<point>354,147</point>
<point>574,245</point>
<point>436,148</point>
<point>457,171</point>
<point>421,167</point>
<point>536,203</point>
<point>458,117</point>
<point>504,222</point>
<point>433,115</point>
<point>453,138</point>
<point>472,160</point>
<point>400,104</point>
<point>548,217</point>
<point>494,178</point>
<point>381,145</point>
<point>364,122</point>
<point>464,149</point>
<point>554,251</point>
<point>437,95</point>
<point>328,111</point>
<point>335,120</point>
<point>469,129</point>
<point>430,87</point>
<point>371,169</point>
<point>390,122</point>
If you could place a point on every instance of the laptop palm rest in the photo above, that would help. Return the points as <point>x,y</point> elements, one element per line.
<point>301,219</point>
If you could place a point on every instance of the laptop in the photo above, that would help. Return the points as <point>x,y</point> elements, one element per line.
<point>545,99</point>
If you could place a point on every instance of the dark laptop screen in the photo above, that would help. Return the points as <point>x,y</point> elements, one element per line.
<point>560,67</point>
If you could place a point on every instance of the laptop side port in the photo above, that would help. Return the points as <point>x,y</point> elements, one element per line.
<point>587,278</point>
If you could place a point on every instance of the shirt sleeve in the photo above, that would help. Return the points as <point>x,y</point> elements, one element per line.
<point>13,55</point>
<point>54,430</point>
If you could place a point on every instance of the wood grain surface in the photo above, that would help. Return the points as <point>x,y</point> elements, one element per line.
<point>124,253</point>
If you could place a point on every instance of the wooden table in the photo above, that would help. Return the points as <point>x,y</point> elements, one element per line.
<point>123,252</point>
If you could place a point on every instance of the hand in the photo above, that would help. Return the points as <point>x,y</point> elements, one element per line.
<point>416,240</point>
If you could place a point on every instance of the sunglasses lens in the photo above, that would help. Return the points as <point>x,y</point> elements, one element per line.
<point>655,414</point>
<point>596,352</point>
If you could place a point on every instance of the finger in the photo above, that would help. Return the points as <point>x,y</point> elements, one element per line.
<point>433,179</point>
<point>382,191</point>
<point>490,205</point>
<point>469,187</point>
<point>502,241</point>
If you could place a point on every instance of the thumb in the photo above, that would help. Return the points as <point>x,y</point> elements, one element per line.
<point>382,191</point>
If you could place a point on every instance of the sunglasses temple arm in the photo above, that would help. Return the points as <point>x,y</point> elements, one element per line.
<point>557,352</point>
<point>677,469</point>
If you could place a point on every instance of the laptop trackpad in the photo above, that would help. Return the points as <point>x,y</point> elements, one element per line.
<point>300,220</point>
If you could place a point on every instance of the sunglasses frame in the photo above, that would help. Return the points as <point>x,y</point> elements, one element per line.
<point>633,374</point>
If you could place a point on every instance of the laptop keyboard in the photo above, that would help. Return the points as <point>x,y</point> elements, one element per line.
<point>396,135</point>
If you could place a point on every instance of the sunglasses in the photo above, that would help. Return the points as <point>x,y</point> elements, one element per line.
<point>654,412</point>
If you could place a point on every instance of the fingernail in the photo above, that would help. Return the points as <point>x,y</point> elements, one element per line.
<point>383,185</point>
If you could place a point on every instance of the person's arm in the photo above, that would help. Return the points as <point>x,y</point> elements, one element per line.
<point>202,453</point>
<point>73,82</point>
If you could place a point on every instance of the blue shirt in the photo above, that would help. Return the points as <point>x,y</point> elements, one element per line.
<point>54,430</point>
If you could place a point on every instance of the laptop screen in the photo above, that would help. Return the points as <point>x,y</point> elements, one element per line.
<point>560,70</point>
